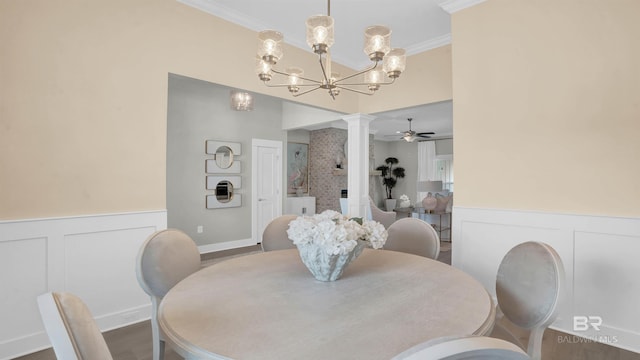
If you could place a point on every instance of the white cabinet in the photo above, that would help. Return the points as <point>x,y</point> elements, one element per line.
<point>301,205</point>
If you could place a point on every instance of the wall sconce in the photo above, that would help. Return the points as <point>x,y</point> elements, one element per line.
<point>241,101</point>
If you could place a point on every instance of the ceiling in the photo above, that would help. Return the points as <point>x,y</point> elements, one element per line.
<point>417,26</point>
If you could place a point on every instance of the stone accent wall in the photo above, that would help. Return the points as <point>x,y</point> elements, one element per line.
<point>324,146</point>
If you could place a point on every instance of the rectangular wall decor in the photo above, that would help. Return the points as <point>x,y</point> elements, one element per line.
<point>212,202</point>
<point>297,167</point>
<point>225,157</point>
<point>210,167</point>
<point>213,180</point>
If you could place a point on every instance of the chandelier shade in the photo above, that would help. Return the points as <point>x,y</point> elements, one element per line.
<point>395,62</point>
<point>270,46</point>
<point>320,38</point>
<point>377,42</point>
<point>320,33</point>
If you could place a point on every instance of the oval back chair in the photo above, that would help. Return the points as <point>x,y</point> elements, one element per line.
<point>165,258</point>
<point>467,348</point>
<point>413,236</point>
<point>71,328</point>
<point>275,235</point>
<point>529,285</point>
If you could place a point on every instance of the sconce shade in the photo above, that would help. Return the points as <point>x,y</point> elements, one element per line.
<point>241,101</point>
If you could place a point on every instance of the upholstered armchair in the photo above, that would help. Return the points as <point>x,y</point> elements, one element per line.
<point>386,218</point>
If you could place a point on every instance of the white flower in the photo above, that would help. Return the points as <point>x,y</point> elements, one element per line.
<point>335,233</point>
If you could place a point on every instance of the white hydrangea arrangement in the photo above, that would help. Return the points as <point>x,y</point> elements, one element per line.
<point>404,201</point>
<point>337,234</point>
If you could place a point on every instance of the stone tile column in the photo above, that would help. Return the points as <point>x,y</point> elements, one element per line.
<point>358,163</point>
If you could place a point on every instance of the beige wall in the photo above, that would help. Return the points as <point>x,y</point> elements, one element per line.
<point>83,98</point>
<point>426,80</point>
<point>547,106</point>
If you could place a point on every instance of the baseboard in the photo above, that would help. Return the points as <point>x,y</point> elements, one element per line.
<point>209,248</point>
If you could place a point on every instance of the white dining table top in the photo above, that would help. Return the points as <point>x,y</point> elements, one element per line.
<point>269,306</point>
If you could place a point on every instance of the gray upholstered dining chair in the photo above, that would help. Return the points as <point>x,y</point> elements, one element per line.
<point>413,236</point>
<point>71,328</point>
<point>274,236</point>
<point>471,348</point>
<point>165,258</point>
<point>529,286</point>
<point>386,218</point>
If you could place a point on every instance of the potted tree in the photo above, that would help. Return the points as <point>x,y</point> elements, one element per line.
<point>390,175</point>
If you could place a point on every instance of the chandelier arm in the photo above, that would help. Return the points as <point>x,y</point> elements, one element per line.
<point>324,72</point>
<point>286,85</point>
<point>301,77</point>
<point>355,90</point>
<point>362,84</point>
<point>359,73</point>
<point>306,92</point>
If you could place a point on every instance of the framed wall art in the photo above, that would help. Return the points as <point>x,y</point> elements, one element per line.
<point>297,168</point>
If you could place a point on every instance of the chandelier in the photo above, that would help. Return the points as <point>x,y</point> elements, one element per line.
<point>377,45</point>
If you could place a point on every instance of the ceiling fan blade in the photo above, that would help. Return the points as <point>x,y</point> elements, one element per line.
<point>427,133</point>
<point>423,136</point>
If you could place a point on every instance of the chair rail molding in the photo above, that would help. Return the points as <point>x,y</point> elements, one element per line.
<point>92,256</point>
<point>599,256</point>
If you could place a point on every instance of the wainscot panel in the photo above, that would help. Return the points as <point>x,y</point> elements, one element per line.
<point>599,255</point>
<point>92,256</point>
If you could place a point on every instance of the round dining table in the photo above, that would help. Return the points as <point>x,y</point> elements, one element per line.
<point>269,306</point>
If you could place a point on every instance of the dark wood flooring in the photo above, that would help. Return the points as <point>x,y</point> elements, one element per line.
<point>134,342</point>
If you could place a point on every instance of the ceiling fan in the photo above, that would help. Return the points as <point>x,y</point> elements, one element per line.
<point>411,136</point>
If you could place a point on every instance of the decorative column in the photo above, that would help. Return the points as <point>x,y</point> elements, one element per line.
<point>358,163</point>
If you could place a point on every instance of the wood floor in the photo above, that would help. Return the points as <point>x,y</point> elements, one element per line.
<point>134,342</point>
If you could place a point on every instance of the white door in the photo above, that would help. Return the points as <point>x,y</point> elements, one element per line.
<point>266,187</point>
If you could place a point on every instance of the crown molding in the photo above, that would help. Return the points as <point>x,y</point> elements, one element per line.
<point>452,6</point>
<point>429,44</point>
<point>215,9</point>
<point>223,12</point>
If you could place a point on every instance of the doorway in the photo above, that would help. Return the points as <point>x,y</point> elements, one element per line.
<point>266,187</point>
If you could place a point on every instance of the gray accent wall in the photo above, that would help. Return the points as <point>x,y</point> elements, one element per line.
<point>200,111</point>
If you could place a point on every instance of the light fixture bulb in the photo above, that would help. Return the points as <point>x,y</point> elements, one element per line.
<point>377,43</point>
<point>320,34</point>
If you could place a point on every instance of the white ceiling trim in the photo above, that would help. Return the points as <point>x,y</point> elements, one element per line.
<point>429,44</point>
<point>224,12</point>
<point>256,25</point>
<point>452,6</point>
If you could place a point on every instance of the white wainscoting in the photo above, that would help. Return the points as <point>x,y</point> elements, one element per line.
<point>600,255</point>
<point>91,256</point>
